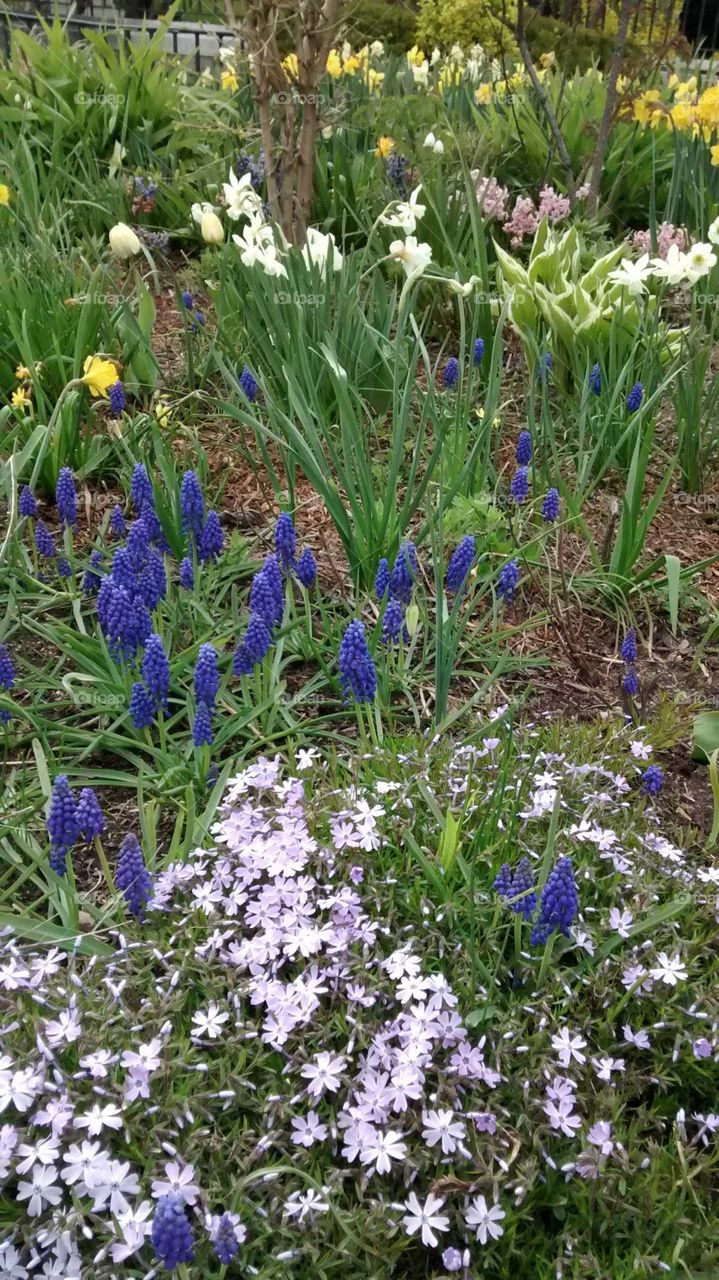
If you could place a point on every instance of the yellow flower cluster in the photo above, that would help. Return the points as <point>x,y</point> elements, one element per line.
<point>345,62</point>
<point>683,110</point>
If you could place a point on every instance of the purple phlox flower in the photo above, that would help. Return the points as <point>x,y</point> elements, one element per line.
<point>202,726</point>
<point>116,396</point>
<point>559,905</point>
<point>285,542</point>
<point>155,671</point>
<point>520,484</point>
<point>66,497</point>
<point>450,373</point>
<point>255,644</point>
<point>90,818</point>
<point>461,563</point>
<point>171,1232</point>
<point>551,506</point>
<point>212,539</point>
<point>382,579</point>
<point>142,706</point>
<point>525,449</point>
<point>248,384</point>
<point>186,574</point>
<point>404,573</point>
<point>27,506</point>
<point>306,568</point>
<point>62,824</point>
<point>635,397</point>
<point>192,504</point>
<point>508,580</point>
<point>207,675</point>
<point>392,620</point>
<point>132,877</point>
<point>652,780</point>
<point>358,676</point>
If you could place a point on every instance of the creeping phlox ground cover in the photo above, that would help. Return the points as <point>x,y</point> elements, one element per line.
<point>303,1048</point>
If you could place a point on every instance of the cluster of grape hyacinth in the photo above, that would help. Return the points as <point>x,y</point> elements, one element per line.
<point>171,1232</point>
<point>198,319</point>
<point>204,532</point>
<point>70,821</point>
<point>394,590</point>
<point>206,684</point>
<point>595,380</point>
<point>652,780</point>
<point>516,889</point>
<point>7,680</point>
<point>559,905</point>
<point>358,675</point>
<point>267,595</point>
<point>450,372</point>
<point>630,680</point>
<point>460,564</point>
<point>248,384</point>
<point>149,695</point>
<point>132,877</point>
<point>635,397</point>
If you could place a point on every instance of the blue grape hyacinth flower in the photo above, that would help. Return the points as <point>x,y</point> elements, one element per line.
<point>652,780</point>
<point>525,449</point>
<point>90,818</point>
<point>27,505</point>
<point>404,573</point>
<point>478,352</point>
<point>172,1233</point>
<point>62,824</point>
<point>392,621</point>
<point>508,580</point>
<point>306,568</point>
<point>224,1240</point>
<point>155,670</point>
<point>450,374</point>
<point>255,644</point>
<point>248,384</point>
<point>207,675</point>
<point>358,677</point>
<point>211,540</point>
<point>66,497</point>
<point>635,397</point>
<point>559,905</point>
<point>202,734</point>
<point>192,504</point>
<point>520,484</point>
<point>595,380</point>
<point>186,574</point>
<point>285,542</point>
<point>460,563</point>
<point>132,877</point>
<point>382,579</point>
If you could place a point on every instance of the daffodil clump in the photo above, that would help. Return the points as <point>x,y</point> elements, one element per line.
<point>681,108</point>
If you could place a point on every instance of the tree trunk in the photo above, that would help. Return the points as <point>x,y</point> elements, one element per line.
<point>605,124</point>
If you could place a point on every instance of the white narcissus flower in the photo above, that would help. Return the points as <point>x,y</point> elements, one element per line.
<point>699,259</point>
<point>438,147</point>
<point>429,141</point>
<point>465,289</point>
<point>117,157</point>
<point>713,232</point>
<point>407,214</point>
<point>211,228</point>
<point>631,275</point>
<point>673,268</point>
<point>241,198</point>
<point>123,241</point>
<point>421,74</point>
<point>415,258</point>
<point>318,248</point>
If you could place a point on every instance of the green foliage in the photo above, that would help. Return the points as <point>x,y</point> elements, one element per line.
<point>467,22</point>
<point>393,23</point>
<point>574,47</point>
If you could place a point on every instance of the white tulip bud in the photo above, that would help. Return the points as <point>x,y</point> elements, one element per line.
<point>211,228</point>
<point>123,241</point>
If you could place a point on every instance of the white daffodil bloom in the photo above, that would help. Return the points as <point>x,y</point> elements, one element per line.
<point>415,258</point>
<point>713,232</point>
<point>673,268</point>
<point>318,248</point>
<point>465,289</point>
<point>241,199</point>
<point>406,214</point>
<point>421,74</point>
<point>118,155</point>
<point>632,275</point>
<point>699,259</point>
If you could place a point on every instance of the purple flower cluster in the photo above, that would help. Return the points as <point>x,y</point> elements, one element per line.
<point>559,905</point>
<point>630,680</point>
<point>358,676</point>
<point>460,564</point>
<point>517,889</point>
<point>132,877</point>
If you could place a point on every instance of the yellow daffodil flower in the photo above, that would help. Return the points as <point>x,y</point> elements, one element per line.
<point>21,398</point>
<point>228,80</point>
<point>22,373</point>
<point>4,194</point>
<point>290,66</point>
<point>334,64</point>
<point>483,95</point>
<point>715,155</point>
<point>99,375</point>
<point>385,147</point>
